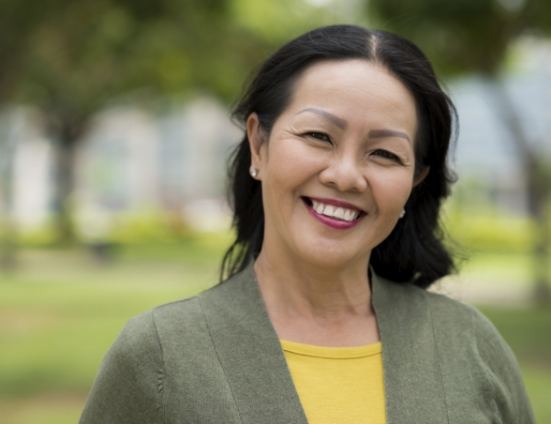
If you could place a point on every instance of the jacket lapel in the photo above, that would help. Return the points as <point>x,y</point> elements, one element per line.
<point>250,353</point>
<point>413,380</point>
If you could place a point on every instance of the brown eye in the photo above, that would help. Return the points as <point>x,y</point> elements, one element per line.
<point>319,136</point>
<point>385,154</point>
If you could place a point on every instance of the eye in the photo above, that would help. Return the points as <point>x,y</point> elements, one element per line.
<point>318,136</point>
<point>386,154</point>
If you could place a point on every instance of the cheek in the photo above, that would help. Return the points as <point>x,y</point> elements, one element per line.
<point>392,189</point>
<point>290,162</point>
<point>280,176</point>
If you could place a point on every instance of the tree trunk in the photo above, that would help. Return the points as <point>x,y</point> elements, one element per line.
<point>538,193</point>
<point>63,190</point>
<point>8,245</point>
<point>540,196</point>
<point>66,136</point>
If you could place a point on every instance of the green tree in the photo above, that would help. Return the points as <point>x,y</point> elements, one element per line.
<point>70,59</point>
<point>16,22</point>
<point>474,36</point>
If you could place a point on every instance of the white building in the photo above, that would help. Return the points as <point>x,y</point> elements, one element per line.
<point>133,160</point>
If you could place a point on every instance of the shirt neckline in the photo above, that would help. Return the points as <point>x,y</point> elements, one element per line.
<point>332,352</point>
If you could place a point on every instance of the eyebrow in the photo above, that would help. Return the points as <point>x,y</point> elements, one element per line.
<point>342,123</point>
<point>383,133</point>
<point>339,122</point>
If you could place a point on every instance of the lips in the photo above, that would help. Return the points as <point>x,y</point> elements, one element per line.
<point>333,212</point>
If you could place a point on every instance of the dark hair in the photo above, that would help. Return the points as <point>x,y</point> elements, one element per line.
<point>414,250</point>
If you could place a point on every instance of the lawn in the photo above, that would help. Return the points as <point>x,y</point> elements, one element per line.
<point>528,333</point>
<point>61,310</point>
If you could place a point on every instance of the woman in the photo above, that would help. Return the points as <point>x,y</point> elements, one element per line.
<point>324,317</point>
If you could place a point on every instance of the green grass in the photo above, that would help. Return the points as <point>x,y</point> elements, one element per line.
<point>527,331</point>
<point>60,312</point>
<point>510,268</point>
<point>522,328</point>
<point>538,384</point>
<point>43,409</point>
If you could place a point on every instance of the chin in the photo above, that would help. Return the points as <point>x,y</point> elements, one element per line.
<point>331,257</point>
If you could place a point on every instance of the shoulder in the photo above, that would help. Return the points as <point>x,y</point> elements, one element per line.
<point>416,303</point>
<point>493,363</point>
<point>143,329</point>
<point>187,319</point>
<point>468,342</point>
<point>130,384</point>
<point>474,360</point>
<point>448,312</point>
<point>453,318</point>
<point>178,325</point>
<point>445,313</point>
<point>189,314</point>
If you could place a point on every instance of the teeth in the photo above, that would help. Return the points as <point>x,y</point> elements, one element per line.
<point>349,215</point>
<point>340,213</point>
<point>344,214</point>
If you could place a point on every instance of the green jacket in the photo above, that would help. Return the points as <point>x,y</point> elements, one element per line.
<point>215,358</point>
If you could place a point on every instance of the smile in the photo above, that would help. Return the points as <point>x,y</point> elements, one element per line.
<point>337,212</point>
<point>334,213</point>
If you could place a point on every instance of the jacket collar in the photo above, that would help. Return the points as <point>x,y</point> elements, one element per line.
<point>251,355</point>
<point>414,389</point>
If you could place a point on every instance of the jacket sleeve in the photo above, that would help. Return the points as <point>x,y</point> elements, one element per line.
<point>129,386</point>
<point>511,400</point>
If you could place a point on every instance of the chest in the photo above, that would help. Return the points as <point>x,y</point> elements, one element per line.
<point>252,389</point>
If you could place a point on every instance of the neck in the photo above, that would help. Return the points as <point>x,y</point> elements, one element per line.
<point>310,291</point>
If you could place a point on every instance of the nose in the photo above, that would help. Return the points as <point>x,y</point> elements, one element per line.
<point>344,174</point>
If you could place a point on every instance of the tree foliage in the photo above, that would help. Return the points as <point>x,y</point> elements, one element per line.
<point>464,35</point>
<point>474,36</point>
<point>70,59</point>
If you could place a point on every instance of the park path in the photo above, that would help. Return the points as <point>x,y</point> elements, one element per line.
<point>487,293</point>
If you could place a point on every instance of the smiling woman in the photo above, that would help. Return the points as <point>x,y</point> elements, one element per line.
<point>345,141</point>
<point>322,315</point>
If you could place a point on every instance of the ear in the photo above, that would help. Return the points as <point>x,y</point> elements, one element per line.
<point>255,136</point>
<point>418,179</point>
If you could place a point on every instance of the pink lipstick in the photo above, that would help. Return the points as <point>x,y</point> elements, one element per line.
<point>332,222</point>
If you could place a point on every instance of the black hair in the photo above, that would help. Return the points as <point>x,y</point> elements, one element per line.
<point>414,251</point>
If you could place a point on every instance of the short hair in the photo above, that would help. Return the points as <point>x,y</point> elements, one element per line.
<point>414,251</point>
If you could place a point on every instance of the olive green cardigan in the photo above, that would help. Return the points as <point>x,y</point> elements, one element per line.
<point>216,359</point>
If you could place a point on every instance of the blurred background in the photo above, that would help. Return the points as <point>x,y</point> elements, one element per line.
<point>114,136</point>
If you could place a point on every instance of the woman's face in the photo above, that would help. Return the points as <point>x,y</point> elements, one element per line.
<point>338,165</point>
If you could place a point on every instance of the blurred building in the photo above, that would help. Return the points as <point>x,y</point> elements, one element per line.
<point>133,160</point>
<point>487,159</point>
<point>25,158</point>
<point>130,162</point>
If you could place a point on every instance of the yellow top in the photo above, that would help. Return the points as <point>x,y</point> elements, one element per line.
<point>338,385</point>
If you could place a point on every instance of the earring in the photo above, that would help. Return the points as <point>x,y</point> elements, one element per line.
<point>403,213</point>
<point>253,171</point>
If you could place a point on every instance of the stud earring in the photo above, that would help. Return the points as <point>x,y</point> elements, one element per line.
<point>253,171</point>
<point>403,213</point>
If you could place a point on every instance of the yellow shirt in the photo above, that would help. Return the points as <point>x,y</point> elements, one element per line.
<point>338,385</point>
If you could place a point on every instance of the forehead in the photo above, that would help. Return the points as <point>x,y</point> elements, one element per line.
<point>355,89</point>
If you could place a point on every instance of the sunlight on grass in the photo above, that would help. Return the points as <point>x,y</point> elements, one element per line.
<point>43,409</point>
<point>498,268</point>
<point>54,333</point>
<point>61,311</point>
<point>538,385</point>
